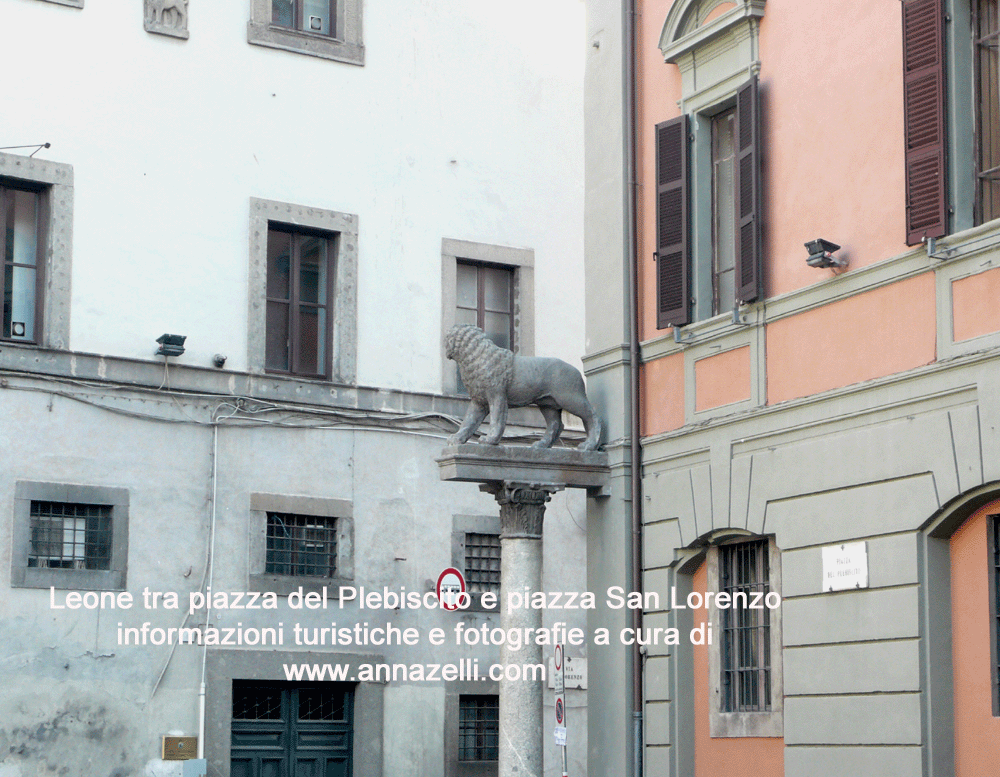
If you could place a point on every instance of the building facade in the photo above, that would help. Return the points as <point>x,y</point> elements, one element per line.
<point>302,197</point>
<point>817,418</point>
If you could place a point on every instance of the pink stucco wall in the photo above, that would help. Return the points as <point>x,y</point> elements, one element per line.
<point>870,335</point>
<point>722,379</point>
<point>974,301</point>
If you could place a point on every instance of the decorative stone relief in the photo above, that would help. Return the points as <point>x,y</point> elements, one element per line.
<point>167,17</point>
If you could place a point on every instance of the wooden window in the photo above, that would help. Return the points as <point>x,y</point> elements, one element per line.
<point>923,107</point>
<point>734,262</point>
<point>283,728</point>
<point>299,290</point>
<point>318,17</point>
<point>479,728</point>
<point>22,212</point>
<point>301,545</point>
<point>485,298</point>
<point>746,633</point>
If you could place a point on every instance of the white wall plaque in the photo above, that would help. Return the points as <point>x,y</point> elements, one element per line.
<point>576,673</point>
<point>845,566</point>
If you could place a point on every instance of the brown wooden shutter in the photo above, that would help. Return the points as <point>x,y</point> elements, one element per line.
<point>923,107</point>
<point>748,193</point>
<point>673,299</point>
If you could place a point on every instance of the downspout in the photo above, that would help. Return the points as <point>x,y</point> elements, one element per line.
<point>631,262</point>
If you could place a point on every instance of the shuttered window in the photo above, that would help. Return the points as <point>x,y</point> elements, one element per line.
<point>748,190</point>
<point>735,185</point>
<point>924,109</point>
<point>673,295</point>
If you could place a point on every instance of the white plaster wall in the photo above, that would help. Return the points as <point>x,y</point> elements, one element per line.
<point>465,123</point>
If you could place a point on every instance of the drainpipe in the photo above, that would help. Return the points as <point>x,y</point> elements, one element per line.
<point>631,262</point>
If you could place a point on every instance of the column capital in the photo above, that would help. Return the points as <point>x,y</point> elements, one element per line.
<point>522,506</point>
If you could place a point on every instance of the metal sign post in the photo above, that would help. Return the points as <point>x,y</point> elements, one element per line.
<point>559,683</point>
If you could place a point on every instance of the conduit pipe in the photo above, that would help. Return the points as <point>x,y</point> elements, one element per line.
<point>635,450</point>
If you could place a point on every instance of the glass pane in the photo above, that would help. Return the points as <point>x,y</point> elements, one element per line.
<point>276,348</point>
<point>497,289</point>
<point>316,16</point>
<point>723,211</point>
<point>497,328</point>
<point>281,13</point>
<point>19,303</point>
<point>463,316</point>
<point>279,252</point>
<point>312,346</point>
<point>25,228</point>
<point>467,295</point>
<point>312,270</point>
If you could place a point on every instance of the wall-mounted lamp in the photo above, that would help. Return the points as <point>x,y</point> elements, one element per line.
<point>170,345</point>
<point>821,254</point>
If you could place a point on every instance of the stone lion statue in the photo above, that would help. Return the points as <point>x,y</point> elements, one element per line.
<point>496,379</point>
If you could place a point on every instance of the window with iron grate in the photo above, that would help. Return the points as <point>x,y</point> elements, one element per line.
<point>479,728</point>
<point>301,545</point>
<point>70,536</point>
<point>482,563</point>
<point>746,632</point>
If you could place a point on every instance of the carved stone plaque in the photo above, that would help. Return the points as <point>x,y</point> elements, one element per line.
<point>166,17</point>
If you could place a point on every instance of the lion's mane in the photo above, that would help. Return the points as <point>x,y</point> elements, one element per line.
<point>483,365</point>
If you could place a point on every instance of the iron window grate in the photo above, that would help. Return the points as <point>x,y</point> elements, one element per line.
<point>482,563</point>
<point>301,545</point>
<point>255,702</point>
<point>746,633</point>
<point>66,535</point>
<point>478,728</point>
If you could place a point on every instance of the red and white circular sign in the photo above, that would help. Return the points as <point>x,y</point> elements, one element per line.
<point>451,589</point>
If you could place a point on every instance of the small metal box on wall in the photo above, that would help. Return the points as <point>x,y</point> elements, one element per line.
<point>179,748</point>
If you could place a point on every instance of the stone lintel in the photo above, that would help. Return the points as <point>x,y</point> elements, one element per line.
<point>563,467</point>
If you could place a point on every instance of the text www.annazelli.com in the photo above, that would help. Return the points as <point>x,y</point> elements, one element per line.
<point>465,669</point>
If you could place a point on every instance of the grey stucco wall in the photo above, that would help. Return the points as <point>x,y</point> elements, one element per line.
<point>75,700</point>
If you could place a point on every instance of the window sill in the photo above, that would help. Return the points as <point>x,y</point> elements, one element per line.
<point>283,585</point>
<point>322,46</point>
<point>69,579</point>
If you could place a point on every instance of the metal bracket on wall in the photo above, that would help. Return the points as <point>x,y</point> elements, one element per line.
<point>932,250</point>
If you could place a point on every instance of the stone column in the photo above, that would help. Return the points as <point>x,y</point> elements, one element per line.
<point>522,508</point>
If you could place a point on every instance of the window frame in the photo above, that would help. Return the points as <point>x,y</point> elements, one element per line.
<point>454,690</point>
<point>714,60</point>
<point>521,261</point>
<point>294,301</point>
<point>724,724</point>
<point>7,189</point>
<point>54,183</point>
<point>477,697</point>
<point>481,311</point>
<point>113,578</point>
<point>342,303</point>
<point>345,45</point>
<point>321,507</point>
